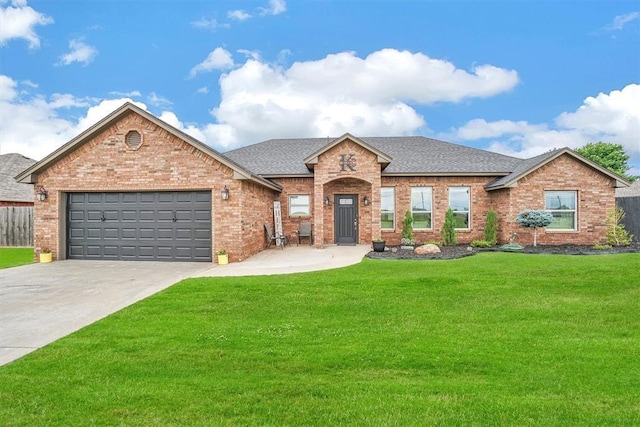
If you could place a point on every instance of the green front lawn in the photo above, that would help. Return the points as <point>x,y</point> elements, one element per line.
<point>12,257</point>
<point>493,339</point>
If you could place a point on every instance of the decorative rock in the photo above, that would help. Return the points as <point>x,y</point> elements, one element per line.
<point>394,250</point>
<point>427,249</point>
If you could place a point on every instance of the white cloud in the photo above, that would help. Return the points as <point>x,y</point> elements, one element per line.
<point>203,90</point>
<point>238,15</point>
<point>80,52</point>
<point>34,126</point>
<point>276,7</point>
<point>208,24</point>
<point>157,100</point>
<point>612,117</point>
<point>620,21</point>
<point>345,93</point>
<point>218,59</point>
<point>18,21</point>
<point>131,94</point>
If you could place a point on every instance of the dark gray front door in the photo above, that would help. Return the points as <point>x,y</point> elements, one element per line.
<point>346,219</point>
<point>157,226</point>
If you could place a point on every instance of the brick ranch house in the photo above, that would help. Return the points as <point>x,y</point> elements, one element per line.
<point>134,187</point>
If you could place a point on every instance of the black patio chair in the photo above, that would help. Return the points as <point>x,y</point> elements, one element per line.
<point>280,240</point>
<point>306,230</point>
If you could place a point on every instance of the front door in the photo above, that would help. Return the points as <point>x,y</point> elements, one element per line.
<point>346,219</point>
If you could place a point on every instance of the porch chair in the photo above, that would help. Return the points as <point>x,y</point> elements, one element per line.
<point>274,238</point>
<point>306,230</point>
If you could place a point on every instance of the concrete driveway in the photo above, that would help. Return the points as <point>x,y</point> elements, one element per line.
<point>40,303</point>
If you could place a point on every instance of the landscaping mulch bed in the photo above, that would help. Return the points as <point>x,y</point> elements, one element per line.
<point>459,251</point>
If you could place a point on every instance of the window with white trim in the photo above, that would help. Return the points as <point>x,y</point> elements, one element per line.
<point>299,205</point>
<point>562,205</point>
<point>387,208</point>
<point>421,207</point>
<point>460,202</point>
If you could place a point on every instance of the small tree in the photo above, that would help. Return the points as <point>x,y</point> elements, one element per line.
<point>534,219</point>
<point>407,229</point>
<point>617,235</point>
<point>449,229</point>
<point>491,228</point>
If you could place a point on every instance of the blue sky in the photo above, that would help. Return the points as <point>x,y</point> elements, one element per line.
<point>516,77</point>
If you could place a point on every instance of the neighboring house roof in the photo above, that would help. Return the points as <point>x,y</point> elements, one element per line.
<point>30,175</point>
<point>527,166</point>
<point>631,191</point>
<point>11,190</point>
<point>408,155</point>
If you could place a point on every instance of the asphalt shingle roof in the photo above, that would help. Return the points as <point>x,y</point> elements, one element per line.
<point>410,155</point>
<point>10,190</point>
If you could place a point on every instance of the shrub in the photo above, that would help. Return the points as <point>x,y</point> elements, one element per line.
<point>600,247</point>
<point>481,244</point>
<point>617,235</point>
<point>407,227</point>
<point>534,219</point>
<point>491,228</point>
<point>449,229</point>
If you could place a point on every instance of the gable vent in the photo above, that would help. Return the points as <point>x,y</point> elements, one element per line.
<point>133,139</point>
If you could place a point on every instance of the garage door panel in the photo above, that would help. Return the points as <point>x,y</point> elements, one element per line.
<point>94,215</point>
<point>165,233</point>
<point>111,233</point>
<point>129,233</point>
<point>164,216</point>
<point>140,226</point>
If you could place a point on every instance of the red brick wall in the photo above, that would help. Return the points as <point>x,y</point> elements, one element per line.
<point>596,196</point>
<point>293,186</point>
<point>162,162</point>
<point>480,205</point>
<point>330,179</point>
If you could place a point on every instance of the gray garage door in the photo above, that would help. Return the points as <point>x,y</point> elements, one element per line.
<point>157,226</point>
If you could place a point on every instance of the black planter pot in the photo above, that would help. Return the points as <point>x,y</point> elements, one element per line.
<point>379,246</point>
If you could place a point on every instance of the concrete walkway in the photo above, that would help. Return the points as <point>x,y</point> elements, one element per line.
<point>293,259</point>
<point>40,303</point>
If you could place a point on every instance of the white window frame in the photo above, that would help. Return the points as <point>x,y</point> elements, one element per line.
<point>574,210</point>
<point>430,211</point>
<point>298,205</point>
<point>393,193</point>
<point>468,212</point>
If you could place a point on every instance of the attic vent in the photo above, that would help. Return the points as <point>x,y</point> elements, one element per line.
<point>133,139</point>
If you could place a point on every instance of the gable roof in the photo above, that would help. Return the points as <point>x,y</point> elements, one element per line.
<point>10,190</point>
<point>313,158</point>
<point>30,175</point>
<point>408,155</point>
<point>526,166</point>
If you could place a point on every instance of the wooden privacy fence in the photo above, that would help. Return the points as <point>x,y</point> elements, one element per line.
<point>16,226</point>
<point>631,220</point>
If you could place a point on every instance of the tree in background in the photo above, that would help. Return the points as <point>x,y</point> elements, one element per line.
<point>534,219</point>
<point>608,155</point>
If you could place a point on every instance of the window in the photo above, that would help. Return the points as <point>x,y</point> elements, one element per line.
<point>421,207</point>
<point>133,139</point>
<point>459,202</point>
<point>562,205</point>
<point>387,208</point>
<point>299,205</point>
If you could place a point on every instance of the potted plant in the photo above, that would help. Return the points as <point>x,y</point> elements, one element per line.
<point>46,255</point>
<point>223,256</point>
<point>378,245</point>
